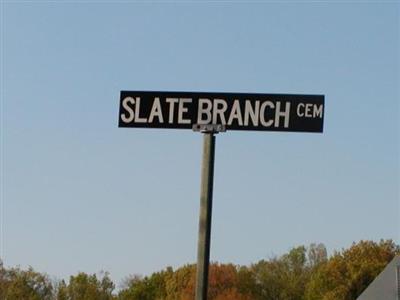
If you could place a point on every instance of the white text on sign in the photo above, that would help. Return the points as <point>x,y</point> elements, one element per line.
<point>215,111</point>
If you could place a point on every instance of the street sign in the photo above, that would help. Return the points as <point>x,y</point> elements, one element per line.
<point>211,113</point>
<point>234,111</point>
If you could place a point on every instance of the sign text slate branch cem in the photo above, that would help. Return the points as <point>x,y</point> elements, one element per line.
<point>234,111</point>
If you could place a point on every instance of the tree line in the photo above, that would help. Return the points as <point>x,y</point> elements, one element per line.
<point>303,273</point>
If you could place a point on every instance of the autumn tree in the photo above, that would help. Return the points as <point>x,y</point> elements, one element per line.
<point>233,294</point>
<point>223,283</point>
<point>316,255</point>
<point>17,284</point>
<point>347,273</point>
<point>180,284</point>
<point>304,273</point>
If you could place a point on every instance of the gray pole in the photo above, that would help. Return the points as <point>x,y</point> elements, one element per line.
<point>203,247</point>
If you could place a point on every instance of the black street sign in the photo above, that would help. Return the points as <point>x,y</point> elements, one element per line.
<point>235,111</point>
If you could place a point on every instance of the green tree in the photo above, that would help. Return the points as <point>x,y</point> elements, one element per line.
<point>247,284</point>
<point>147,288</point>
<point>87,287</point>
<point>61,291</point>
<point>282,277</point>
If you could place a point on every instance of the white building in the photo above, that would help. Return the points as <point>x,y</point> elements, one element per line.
<point>386,286</point>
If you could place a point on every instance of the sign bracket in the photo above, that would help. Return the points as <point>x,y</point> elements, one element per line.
<point>209,128</point>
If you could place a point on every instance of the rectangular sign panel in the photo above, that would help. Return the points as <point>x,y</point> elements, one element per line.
<point>236,111</point>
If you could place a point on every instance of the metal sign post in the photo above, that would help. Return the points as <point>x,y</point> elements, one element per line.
<point>206,194</point>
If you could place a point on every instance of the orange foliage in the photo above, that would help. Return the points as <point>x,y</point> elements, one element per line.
<point>223,281</point>
<point>232,294</point>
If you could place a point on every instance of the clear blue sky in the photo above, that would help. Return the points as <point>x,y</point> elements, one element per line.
<point>80,194</point>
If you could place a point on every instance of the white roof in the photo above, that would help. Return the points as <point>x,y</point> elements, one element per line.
<point>386,286</point>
